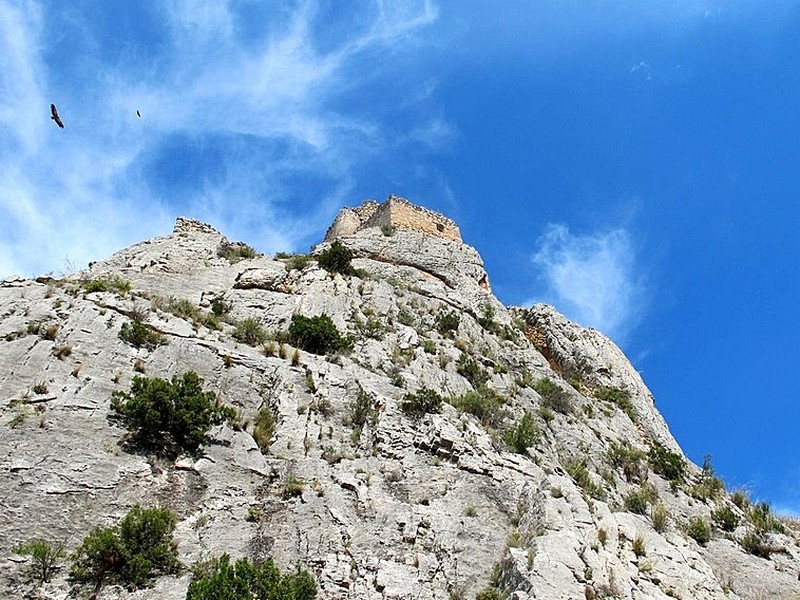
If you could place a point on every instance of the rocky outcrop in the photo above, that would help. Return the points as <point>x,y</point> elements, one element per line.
<point>394,506</point>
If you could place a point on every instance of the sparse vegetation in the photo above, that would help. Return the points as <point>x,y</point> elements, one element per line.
<point>726,518</point>
<point>297,262</point>
<point>628,459</point>
<point>44,557</point>
<point>579,472</point>
<point>469,368</point>
<point>264,428</point>
<point>485,405</point>
<point>169,416</point>
<point>671,465</point>
<point>218,579</point>
<point>618,396</point>
<point>425,401</point>
<point>219,307</point>
<point>638,500</point>
<point>553,396</point>
<point>709,486</point>
<point>235,251</point>
<point>660,516</point>
<point>698,530</point>
<point>139,335</point>
<point>447,323</point>
<point>362,410</point>
<point>638,547</point>
<point>140,547</point>
<point>522,435</point>
<point>249,331</point>
<point>113,283</point>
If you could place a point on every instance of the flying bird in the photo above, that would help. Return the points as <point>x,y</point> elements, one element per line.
<point>55,117</point>
<point>138,114</point>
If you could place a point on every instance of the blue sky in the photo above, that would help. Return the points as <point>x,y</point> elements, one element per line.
<point>631,162</point>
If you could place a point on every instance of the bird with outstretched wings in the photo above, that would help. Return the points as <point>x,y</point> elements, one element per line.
<point>55,117</point>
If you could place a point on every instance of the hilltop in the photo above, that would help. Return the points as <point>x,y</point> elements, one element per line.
<point>435,444</point>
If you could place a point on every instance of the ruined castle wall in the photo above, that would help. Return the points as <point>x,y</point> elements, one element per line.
<point>399,213</point>
<point>394,212</point>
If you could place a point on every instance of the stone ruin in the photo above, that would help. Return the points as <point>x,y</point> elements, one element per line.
<point>394,212</point>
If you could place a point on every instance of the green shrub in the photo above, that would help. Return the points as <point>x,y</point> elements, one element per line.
<point>317,335</point>
<point>660,517</point>
<point>698,530</point>
<point>263,428</point>
<point>169,416</point>
<point>618,396</point>
<point>553,396</point>
<point>221,580</point>
<point>44,557</point>
<point>638,547</point>
<point>761,517</point>
<point>757,544</point>
<point>139,335</point>
<point>336,259</point>
<point>580,474</point>
<point>140,547</point>
<point>469,368</point>
<point>362,410</point>
<point>726,518</point>
<point>638,500</point>
<point>249,331</point>
<point>298,262</point>
<point>709,486</point>
<point>627,458</point>
<point>235,251</point>
<point>425,401</point>
<point>667,463</point>
<point>485,405</point>
<point>522,435</point>
<point>219,307</point>
<point>115,283</point>
<point>447,322</point>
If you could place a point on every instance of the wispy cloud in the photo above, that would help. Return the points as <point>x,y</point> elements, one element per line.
<point>250,120</point>
<point>592,278</point>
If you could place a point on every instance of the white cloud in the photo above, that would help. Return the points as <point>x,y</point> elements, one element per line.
<point>262,115</point>
<point>592,278</point>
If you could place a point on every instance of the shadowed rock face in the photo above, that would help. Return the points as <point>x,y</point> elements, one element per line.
<point>396,507</point>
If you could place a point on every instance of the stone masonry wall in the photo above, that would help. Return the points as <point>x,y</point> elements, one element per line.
<point>394,212</point>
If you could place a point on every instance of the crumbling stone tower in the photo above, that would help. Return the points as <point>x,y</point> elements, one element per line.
<point>393,212</point>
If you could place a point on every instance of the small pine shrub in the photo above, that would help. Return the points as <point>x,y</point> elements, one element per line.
<point>553,396</point>
<point>317,335</point>
<point>362,410</point>
<point>447,323</point>
<point>44,557</point>
<point>756,543</point>
<point>169,416</point>
<point>580,474</point>
<point>140,547</point>
<point>620,397</point>
<point>425,401</point>
<point>726,518</point>
<point>637,501</point>
<point>469,368</point>
<point>485,405</point>
<point>628,459</point>
<point>522,435</point>
<point>219,307</point>
<point>761,517</point>
<point>219,579</point>
<point>698,530</point>
<point>336,259</point>
<point>139,335</point>
<point>671,465</point>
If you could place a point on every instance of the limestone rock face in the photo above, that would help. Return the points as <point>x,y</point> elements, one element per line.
<point>388,505</point>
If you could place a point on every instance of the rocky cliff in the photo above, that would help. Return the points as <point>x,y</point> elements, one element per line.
<point>547,472</point>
